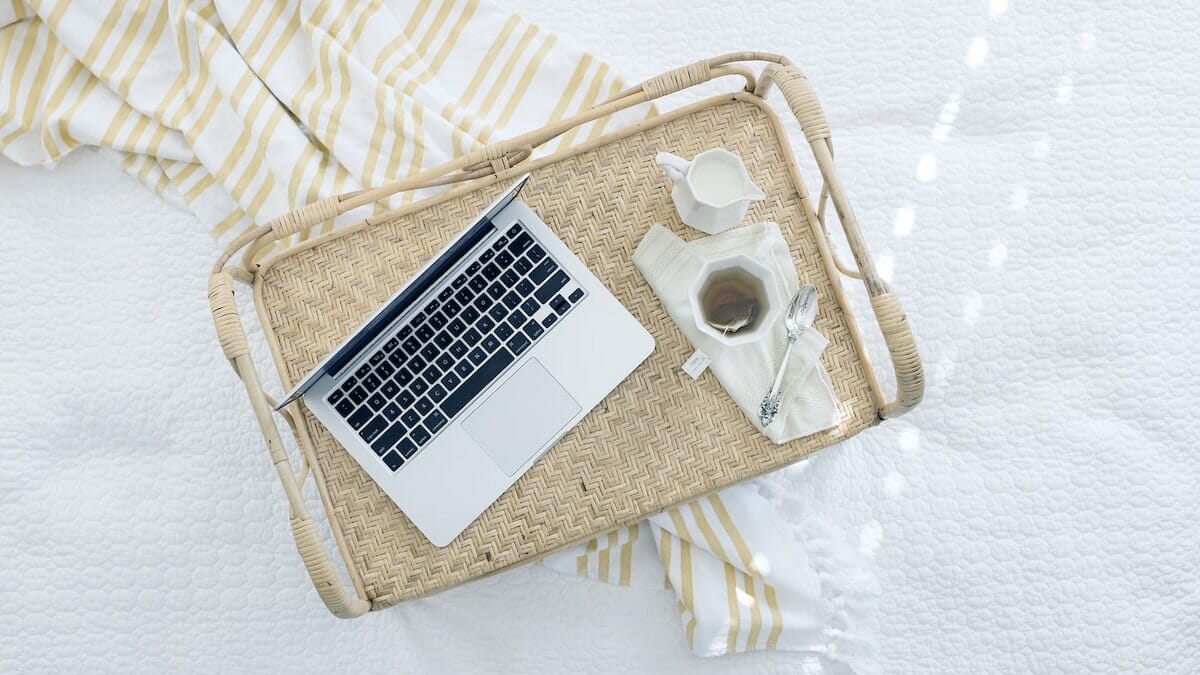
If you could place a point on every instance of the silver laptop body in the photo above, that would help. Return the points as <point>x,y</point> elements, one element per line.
<point>474,368</point>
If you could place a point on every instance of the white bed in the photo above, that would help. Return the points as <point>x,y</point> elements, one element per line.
<point>1028,173</point>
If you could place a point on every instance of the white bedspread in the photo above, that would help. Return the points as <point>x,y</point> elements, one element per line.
<point>1029,174</point>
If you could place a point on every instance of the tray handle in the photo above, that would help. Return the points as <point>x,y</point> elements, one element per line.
<point>341,602</point>
<point>897,332</point>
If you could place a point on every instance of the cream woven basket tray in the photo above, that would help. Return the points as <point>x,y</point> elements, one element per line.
<point>660,438</point>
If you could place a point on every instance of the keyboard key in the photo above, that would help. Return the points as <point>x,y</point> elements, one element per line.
<point>518,245</point>
<point>433,306</point>
<point>459,281</point>
<point>519,343</point>
<point>436,393</point>
<point>464,368</point>
<point>490,272</point>
<point>335,397</point>
<point>516,319</point>
<point>542,271</point>
<point>371,382</point>
<point>530,306</point>
<point>497,312</point>
<point>457,349</point>
<point>464,296</point>
<point>552,286</point>
<point>443,339</point>
<point>424,405</point>
<point>390,345</point>
<point>511,300</point>
<point>390,389</point>
<point>525,287</point>
<point>412,345</point>
<point>469,315</point>
<point>536,253</point>
<point>491,343</point>
<point>393,460</point>
<point>522,266</point>
<point>471,387</point>
<point>473,268</point>
<point>345,407</point>
<point>549,320</point>
<point>406,448</point>
<point>576,295</point>
<point>512,231</point>
<point>445,294</point>
<point>471,337</point>
<point>405,332</point>
<point>377,401</point>
<point>451,308</point>
<point>444,362</point>
<point>392,411</point>
<point>450,381</point>
<point>410,419</point>
<point>358,395</point>
<point>376,358</point>
<point>432,374</point>
<point>420,436</point>
<point>482,303</point>
<point>424,333</point>
<point>438,320</point>
<point>416,364</point>
<point>349,383</point>
<point>504,330</point>
<point>456,327</point>
<point>397,358</point>
<point>362,371</point>
<point>487,255</point>
<point>504,259</point>
<point>418,386</point>
<point>360,417</point>
<point>500,243</point>
<point>533,330</point>
<point>485,324</point>
<point>477,356</point>
<point>478,284</point>
<point>417,320</point>
<point>373,428</point>
<point>384,370</point>
<point>496,290</point>
<point>435,421</point>
<point>405,399</point>
<point>429,352</point>
<point>388,439</point>
<point>403,377</point>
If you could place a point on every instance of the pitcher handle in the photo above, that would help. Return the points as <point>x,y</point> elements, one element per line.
<point>674,166</point>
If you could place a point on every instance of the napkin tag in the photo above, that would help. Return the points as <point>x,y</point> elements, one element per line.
<point>696,364</point>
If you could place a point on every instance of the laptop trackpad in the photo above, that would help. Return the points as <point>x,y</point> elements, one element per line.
<point>521,416</point>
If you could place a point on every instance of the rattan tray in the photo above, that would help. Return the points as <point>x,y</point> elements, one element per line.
<point>661,438</point>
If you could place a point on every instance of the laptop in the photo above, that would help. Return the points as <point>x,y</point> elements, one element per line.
<point>474,368</point>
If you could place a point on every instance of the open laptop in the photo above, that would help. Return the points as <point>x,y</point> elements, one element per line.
<point>474,368</point>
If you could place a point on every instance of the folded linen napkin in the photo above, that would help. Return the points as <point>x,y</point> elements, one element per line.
<point>670,265</point>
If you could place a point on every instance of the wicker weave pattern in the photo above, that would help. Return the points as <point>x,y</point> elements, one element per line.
<point>659,439</point>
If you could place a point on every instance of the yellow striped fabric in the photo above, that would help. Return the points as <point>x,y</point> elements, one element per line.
<point>243,111</point>
<point>743,579</point>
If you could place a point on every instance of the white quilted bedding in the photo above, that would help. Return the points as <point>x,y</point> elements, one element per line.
<point>1027,172</point>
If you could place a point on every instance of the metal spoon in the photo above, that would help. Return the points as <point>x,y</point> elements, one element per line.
<point>801,312</point>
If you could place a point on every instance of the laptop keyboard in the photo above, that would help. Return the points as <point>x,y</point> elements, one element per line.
<point>444,355</point>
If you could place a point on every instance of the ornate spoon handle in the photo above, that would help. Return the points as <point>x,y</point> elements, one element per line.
<point>769,408</point>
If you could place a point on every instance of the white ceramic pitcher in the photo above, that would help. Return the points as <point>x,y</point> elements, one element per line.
<point>713,191</point>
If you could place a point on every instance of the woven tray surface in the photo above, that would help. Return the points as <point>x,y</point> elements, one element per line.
<point>659,439</point>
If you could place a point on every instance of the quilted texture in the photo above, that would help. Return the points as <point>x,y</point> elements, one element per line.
<point>1038,513</point>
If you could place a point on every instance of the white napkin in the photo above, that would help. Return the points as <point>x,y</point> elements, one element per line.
<point>747,372</point>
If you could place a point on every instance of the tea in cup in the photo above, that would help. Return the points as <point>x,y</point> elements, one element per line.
<point>735,300</point>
